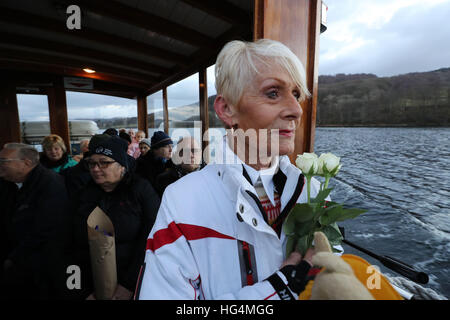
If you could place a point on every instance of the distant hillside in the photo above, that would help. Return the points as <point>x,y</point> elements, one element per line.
<point>413,99</point>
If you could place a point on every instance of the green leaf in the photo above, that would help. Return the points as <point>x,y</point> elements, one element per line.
<point>302,229</point>
<point>289,224</point>
<point>350,214</point>
<point>320,197</point>
<point>302,245</point>
<point>333,234</point>
<point>303,212</point>
<point>290,244</point>
<point>331,215</point>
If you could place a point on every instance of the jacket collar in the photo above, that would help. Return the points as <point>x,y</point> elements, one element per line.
<point>230,170</point>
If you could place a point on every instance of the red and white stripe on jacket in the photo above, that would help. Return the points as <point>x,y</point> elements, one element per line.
<point>203,224</point>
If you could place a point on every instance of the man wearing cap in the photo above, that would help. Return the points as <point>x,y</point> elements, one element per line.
<point>157,159</point>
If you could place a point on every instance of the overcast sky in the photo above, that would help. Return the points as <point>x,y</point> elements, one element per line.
<point>383,37</point>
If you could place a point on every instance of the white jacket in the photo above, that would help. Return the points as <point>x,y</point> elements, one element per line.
<point>210,240</point>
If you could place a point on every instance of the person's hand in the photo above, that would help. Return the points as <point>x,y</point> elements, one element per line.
<point>295,258</point>
<point>295,268</point>
<point>122,293</point>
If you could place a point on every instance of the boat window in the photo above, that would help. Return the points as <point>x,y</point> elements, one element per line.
<point>184,111</point>
<point>34,118</point>
<point>155,111</point>
<point>106,111</point>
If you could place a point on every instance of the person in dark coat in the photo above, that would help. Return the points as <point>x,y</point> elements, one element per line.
<point>8,191</point>
<point>156,161</point>
<point>37,223</point>
<point>186,158</point>
<point>77,177</point>
<point>128,200</point>
<point>55,155</point>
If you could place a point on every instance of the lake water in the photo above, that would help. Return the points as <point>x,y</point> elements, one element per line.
<point>402,177</point>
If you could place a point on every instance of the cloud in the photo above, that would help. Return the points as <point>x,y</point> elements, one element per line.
<point>385,37</point>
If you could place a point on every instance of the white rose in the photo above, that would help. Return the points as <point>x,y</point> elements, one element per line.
<point>328,163</point>
<point>308,163</point>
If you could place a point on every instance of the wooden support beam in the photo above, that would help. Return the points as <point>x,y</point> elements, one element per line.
<point>296,23</point>
<point>7,64</point>
<point>202,60</point>
<point>57,110</point>
<point>204,114</point>
<point>83,53</point>
<point>49,61</point>
<point>222,10</point>
<point>9,120</point>
<point>142,114</point>
<point>146,20</point>
<point>165,111</point>
<point>59,26</point>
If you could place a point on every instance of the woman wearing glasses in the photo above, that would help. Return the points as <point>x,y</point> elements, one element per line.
<point>129,201</point>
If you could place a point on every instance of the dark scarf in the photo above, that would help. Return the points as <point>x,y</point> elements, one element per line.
<point>46,162</point>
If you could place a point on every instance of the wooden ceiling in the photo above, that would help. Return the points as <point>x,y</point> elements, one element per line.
<point>137,47</point>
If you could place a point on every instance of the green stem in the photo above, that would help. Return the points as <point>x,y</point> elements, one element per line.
<point>327,179</point>
<point>308,188</point>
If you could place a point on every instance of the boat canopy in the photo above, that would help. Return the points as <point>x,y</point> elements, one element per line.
<point>135,48</point>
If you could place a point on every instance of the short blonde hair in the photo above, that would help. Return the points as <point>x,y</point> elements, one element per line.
<point>236,66</point>
<point>53,139</point>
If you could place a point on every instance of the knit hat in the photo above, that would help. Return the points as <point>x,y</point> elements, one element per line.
<point>145,141</point>
<point>113,147</point>
<point>125,136</point>
<point>160,139</point>
<point>111,132</point>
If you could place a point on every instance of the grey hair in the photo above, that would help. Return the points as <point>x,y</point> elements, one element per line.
<point>24,151</point>
<point>238,62</point>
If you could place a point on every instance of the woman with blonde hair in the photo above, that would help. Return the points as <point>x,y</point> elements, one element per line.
<point>218,233</point>
<point>55,155</point>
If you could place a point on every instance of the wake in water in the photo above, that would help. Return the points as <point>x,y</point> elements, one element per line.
<point>400,176</point>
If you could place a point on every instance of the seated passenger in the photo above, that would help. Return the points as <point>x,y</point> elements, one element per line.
<point>37,222</point>
<point>187,158</point>
<point>156,160</point>
<point>213,238</point>
<point>77,177</point>
<point>55,155</point>
<point>144,146</point>
<point>134,149</point>
<point>129,201</point>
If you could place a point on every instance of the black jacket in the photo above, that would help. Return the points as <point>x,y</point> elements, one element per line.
<point>8,191</point>
<point>149,167</point>
<point>76,177</point>
<point>132,208</point>
<point>38,224</point>
<point>168,177</point>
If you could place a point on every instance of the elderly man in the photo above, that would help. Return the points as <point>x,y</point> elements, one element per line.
<point>156,161</point>
<point>37,222</point>
<point>187,158</point>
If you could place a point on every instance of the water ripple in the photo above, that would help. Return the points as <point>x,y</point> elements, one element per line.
<point>401,176</point>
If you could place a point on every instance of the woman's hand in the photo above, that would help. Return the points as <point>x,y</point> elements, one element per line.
<point>122,293</point>
<point>295,258</point>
